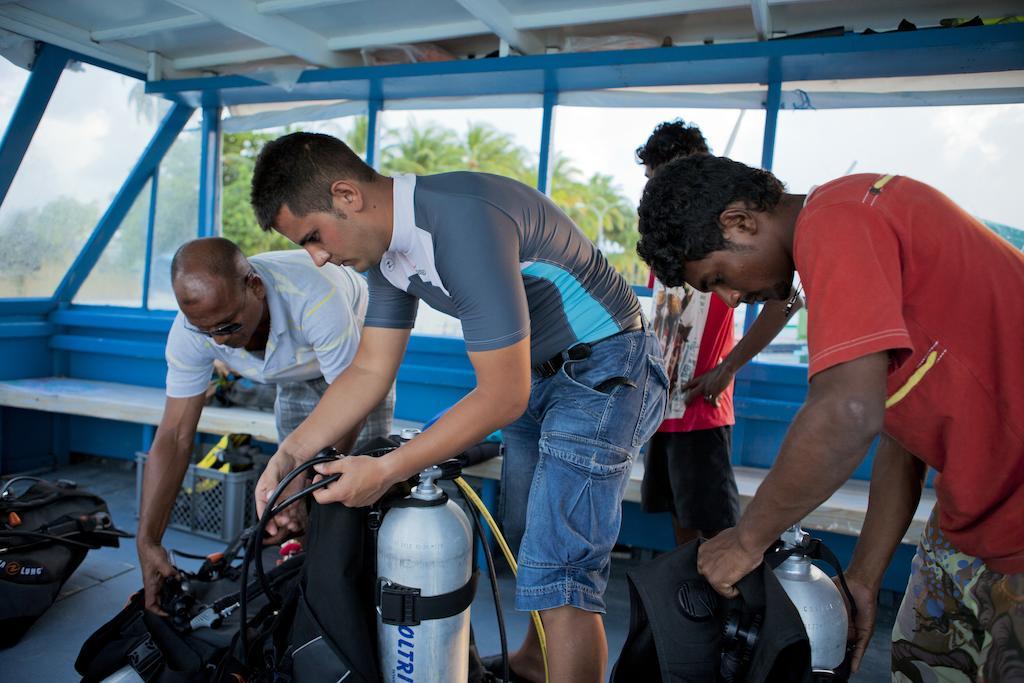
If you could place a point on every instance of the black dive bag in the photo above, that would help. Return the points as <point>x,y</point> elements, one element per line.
<point>45,533</point>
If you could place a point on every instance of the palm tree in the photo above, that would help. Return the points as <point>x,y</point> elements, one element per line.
<point>616,218</point>
<point>492,151</point>
<point>421,150</point>
<point>570,194</point>
<point>356,138</point>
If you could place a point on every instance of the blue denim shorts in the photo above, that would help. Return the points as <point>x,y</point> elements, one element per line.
<point>567,462</point>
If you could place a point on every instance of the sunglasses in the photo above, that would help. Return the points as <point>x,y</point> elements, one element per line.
<point>228,329</point>
<point>223,331</point>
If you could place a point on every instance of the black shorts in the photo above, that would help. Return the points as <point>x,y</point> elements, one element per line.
<point>690,475</point>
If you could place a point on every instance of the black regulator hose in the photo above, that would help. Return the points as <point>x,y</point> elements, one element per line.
<point>256,538</point>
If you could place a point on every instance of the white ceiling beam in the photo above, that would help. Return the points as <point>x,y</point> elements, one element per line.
<point>419,34</point>
<point>410,35</point>
<point>280,6</point>
<point>62,34</point>
<point>613,12</point>
<point>192,20</point>
<point>208,61</point>
<point>501,23</point>
<point>149,27</point>
<point>762,19</point>
<point>292,38</point>
<point>623,11</point>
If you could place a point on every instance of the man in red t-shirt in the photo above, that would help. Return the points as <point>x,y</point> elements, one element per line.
<point>687,467</point>
<point>915,317</point>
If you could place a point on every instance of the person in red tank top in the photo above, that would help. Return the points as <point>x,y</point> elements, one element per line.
<point>687,467</point>
<point>914,333</point>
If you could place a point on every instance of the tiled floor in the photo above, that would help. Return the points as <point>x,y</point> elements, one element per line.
<point>108,576</point>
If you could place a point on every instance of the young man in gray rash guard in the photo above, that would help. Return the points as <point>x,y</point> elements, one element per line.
<point>564,364</point>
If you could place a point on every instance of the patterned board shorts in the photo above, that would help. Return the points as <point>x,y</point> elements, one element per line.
<point>960,622</point>
<point>296,400</point>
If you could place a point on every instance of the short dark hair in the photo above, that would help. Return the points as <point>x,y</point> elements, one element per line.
<point>669,140</point>
<point>681,205</point>
<point>297,170</point>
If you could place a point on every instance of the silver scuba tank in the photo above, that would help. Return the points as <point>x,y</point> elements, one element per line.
<point>818,601</point>
<point>426,544</point>
<point>125,674</point>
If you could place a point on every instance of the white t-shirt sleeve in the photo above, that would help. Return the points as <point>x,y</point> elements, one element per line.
<point>189,361</point>
<point>331,324</point>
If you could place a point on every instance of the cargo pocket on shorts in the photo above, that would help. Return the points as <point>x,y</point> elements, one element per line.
<point>652,410</point>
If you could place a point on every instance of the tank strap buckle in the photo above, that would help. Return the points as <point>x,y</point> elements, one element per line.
<point>397,603</point>
<point>400,605</point>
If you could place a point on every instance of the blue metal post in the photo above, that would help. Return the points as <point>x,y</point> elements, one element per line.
<point>46,72</point>
<point>147,266</point>
<point>209,174</point>
<point>771,122</point>
<point>373,131</point>
<point>162,140</point>
<point>148,433</point>
<point>547,132</point>
<point>751,315</point>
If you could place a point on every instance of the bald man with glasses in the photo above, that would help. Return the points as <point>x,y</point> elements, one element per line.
<point>274,318</point>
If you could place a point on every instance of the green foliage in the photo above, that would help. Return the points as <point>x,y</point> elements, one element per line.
<point>596,204</point>
<point>237,218</point>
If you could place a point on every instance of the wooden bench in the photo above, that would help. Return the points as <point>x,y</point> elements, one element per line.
<point>132,403</point>
<point>842,513</point>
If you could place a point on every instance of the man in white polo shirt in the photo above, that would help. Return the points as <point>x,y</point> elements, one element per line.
<point>275,318</point>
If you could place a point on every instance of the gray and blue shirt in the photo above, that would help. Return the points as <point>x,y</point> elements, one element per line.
<point>502,258</point>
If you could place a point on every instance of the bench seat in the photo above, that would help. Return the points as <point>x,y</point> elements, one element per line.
<point>132,403</point>
<point>842,513</point>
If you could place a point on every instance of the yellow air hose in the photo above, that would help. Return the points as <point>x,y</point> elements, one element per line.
<point>471,495</point>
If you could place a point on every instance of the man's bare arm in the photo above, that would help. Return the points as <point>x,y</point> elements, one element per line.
<point>342,408</point>
<point>501,396</point>
<point>766,327</point>
<point>166,464</point>
<point>352,395</point>
<point>165,468</point>
<point>897,479</point>
<point>827,440</point>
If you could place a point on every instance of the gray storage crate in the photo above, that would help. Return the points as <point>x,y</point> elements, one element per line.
<point>210,503</point>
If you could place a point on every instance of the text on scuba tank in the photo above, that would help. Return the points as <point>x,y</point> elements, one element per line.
<point>405,651</point>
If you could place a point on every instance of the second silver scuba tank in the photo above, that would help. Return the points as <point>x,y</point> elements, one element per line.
<point>424,550</point>
<point>818,601</point>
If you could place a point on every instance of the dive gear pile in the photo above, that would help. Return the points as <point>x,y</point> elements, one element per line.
<point>46,531</point>
<point>317,615</point>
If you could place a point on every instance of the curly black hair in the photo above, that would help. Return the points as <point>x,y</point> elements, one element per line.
<point>669,140</point>
<point>681,205</point>
<point>298,170</point>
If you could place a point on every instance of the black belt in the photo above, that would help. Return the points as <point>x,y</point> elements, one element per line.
<point>580,351</point>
